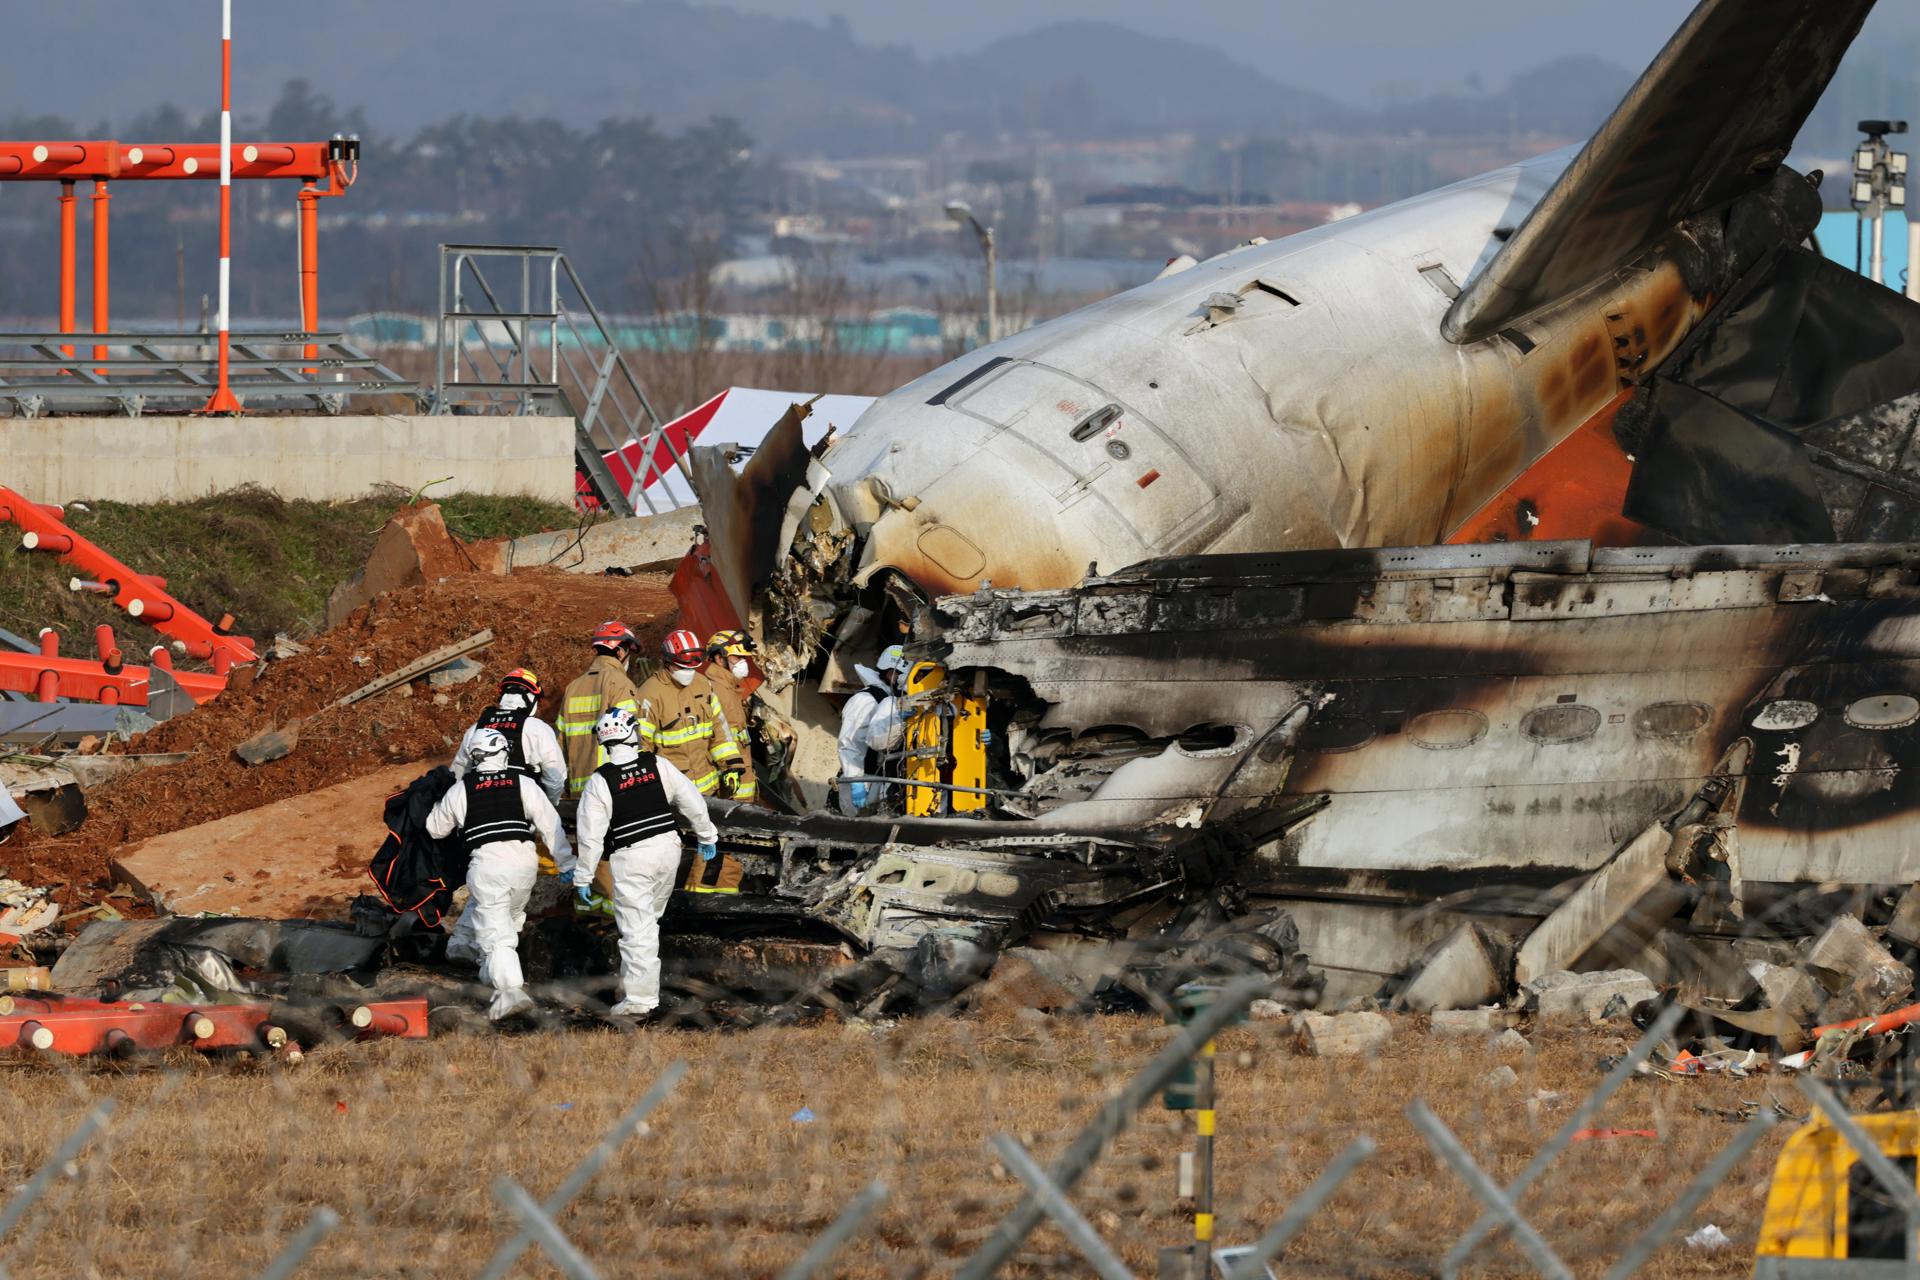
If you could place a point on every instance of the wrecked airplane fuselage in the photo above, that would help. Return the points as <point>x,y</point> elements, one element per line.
<point>1365,730</point>
<point>1352,734</point>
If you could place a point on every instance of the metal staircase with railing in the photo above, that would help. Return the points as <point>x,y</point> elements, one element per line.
<point>554,354</point>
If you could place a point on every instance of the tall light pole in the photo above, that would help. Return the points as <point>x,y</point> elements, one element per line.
<point>964,214</point>
<point>1879,184</point>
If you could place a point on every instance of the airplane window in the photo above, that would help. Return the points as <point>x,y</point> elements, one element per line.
<point>1671,719</point>
<point>1786,713</point>
<point>1884,711</point>
<point>1333,734</point>
<point>1560,722</point>
<point>1447,730</point>
<point>1206,739</point>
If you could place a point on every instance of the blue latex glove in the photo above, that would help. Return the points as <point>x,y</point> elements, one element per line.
<point>986,737</point>
<point>857,791</point>
<point>583,894</point>
<point>708,852</point>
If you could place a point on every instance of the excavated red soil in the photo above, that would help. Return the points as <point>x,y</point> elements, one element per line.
<point>540,619</point>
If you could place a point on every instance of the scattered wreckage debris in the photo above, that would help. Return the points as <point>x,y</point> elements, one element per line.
<point>279,741</point>
<point>208,984</point>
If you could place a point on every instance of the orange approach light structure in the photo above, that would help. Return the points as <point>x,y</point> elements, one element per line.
<point>335,162</point>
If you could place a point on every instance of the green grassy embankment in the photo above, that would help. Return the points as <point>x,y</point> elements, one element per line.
<point>268,561</point>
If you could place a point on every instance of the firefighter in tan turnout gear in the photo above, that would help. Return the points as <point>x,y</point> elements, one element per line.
<point>601,688</point>
<point>681,721</point>
<point>727,667</point>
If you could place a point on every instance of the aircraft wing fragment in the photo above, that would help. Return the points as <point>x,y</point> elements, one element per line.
<point>1709,121</point>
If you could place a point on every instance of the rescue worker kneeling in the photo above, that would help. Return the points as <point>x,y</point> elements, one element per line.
<point>498,810</point>
<point>627,813</point>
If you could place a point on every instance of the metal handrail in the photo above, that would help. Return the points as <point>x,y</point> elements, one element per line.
<point>605,421</point>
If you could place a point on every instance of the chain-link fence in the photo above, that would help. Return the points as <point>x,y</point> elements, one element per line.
<point>999,1141</point>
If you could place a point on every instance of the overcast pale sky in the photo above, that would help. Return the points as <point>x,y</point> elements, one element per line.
<point>1360,50</point>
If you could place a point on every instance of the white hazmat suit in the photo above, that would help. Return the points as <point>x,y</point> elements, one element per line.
<point>872,720</point>
<point>500,879</point>
<point>538,743</point>
<point>644,873</point>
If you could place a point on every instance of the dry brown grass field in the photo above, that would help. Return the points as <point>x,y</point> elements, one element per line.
<point>210,1166</point>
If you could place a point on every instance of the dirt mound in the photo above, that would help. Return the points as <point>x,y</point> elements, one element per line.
<point>540,619</point>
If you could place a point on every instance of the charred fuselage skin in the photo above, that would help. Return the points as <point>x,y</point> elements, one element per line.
<point>1487,714</point>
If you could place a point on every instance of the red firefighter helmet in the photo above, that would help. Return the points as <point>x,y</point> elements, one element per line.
<point>613,636</point>
<point>523,679</point>
<point>683,649</point>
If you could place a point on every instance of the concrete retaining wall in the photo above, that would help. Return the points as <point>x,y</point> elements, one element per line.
<point>172,459</point>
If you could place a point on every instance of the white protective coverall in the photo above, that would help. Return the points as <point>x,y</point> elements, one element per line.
<point>500,879</point>
<point>871,721</point>
<point>644,873</point>
<point>538,743</point>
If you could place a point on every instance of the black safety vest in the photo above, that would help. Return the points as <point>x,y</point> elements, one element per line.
<point>495,810</point>
<point>640,807</point>
<point>511,724</point>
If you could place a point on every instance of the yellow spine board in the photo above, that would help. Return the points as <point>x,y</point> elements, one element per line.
<point>926,744</point>
<point>969,753</point>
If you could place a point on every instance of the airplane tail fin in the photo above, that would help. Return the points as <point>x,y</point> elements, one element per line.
<point>1709,121</point>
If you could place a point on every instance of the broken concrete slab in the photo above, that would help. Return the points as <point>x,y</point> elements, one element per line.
<point>1343,1035</point>
<point>1905,925</point>
<point>1500,1078</point>
<point>1868,980</point>
<point>1789,991</point>
<point>1612,915</point>
<point>635,543</point>
<point>1467,969</point>
<point>1509,1042</point>
<point>414,547</point>
<point>301,858</point>
<point>459,671</point>
<point>1585,997</point>
<point>1457,1023</point>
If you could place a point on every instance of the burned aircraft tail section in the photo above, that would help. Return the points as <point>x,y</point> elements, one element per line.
<point>1709,122</point>
<point>1788,416</point>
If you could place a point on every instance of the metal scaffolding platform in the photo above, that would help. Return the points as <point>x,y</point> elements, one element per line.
<point>174,372</point>
<point>550,354</point>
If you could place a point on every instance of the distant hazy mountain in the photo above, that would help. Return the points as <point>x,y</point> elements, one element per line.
<point>796,85</point>
<point>1090,79</point>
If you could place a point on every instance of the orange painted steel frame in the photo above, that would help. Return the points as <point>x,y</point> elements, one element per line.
<point>48,677</point>
<point>1575,490</point>
<point>310,163</point>
<point>54,1025</point>
<point>141,595</point>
